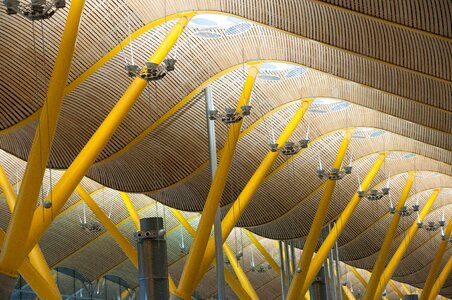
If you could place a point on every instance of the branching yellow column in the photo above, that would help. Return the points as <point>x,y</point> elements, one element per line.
<point>394,262</point>
<point>68,182</point>
<point>316,227</point>
<point>37,282</point>
<point>264,252</point>
<point>441,279</point>
<point>359,277</point>
<point>131,209</point>
<point>37,259</point>
<point>186,283</point>
<point>245,196</point>
<point>395,288</point>
<point>436,263</point>
<point>348,293</point>
<point>230,279</point>
<point>387,242</point>
<point>14,252</point>
<point>335,232</point>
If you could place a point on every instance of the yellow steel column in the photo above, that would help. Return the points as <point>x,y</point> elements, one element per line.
<point>398,255</point>
<point>348,293</point>
<point>36,281</point>
<point>359,277</point>
<point>263,251</point>
<point>13,251</point>
<point>316,227</point>
<point>436,263</point>
<point>186,283</point>
<point>123,243</point>
<point>395,288</point>
<point>330,240</point>
<point>387,242</point>
<point>37,259</point>
<point>244,198</point>
<point>406,289</point>
<point>68,182</point>
<point>238,289</point>
<point>441,279</point>
<point>131,209</point>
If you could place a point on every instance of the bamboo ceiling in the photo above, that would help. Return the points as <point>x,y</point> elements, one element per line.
<point>386,66</point>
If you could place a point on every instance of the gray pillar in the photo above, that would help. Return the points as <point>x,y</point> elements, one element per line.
<point>7,284</point>
<point>318,287</point>
<point>281,266</point>
<point>294,259</point>
<point>411,297</point>
<point>152,260</point>
<point>217,223</point>
<point>338,272</point>
<point>287,260</point>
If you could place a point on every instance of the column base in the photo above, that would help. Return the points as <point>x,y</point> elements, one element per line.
<point>7,285</point>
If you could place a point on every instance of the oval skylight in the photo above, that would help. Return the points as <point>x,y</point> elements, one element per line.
<point>207,34</point>
<point>238,28</point>
<point>295,72</point>
<point>275,66</point>
<point>213,21</point>
<point>268,77</point>
<point>326,101</point>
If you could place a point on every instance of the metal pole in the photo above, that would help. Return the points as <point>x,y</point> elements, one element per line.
<point>152,260</point>
<point>292,256</point>
<point>217,223</point>
<point>331,265</point>
<point>338,272</point>
<point>287,261</point>
<point>281,264</point>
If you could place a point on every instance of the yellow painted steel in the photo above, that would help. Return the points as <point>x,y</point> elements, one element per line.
<point>359,277</point>
<point>263,251</point>
<point>316,227</point>
<point>406,289</point>
<point>348,293</point>
<point>441,279</point>
<point>36,257</point>
<point>131,209</point>
<point>70,179</point>
<point>434,268</point>
<point>186,284</point>
<point>230,279</point>
<point>13,251</point>
<point>32,276</point>
<point>398,255</point>
<point>396,288</point>
<point>246,284</point>
<point>387,242</point>
<point>123,243</point>
<point>245,196</point>
<point>341,222</point>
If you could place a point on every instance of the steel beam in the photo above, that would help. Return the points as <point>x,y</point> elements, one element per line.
<point>398,255</point>
<point>14,252</point>
<point>434,268</point>
<point>341,222</point>
<point>348,293</point>
<point>238,289</point>
<point>198,248</point>
<point>441,279</point>
<point>36,257</point>
<point>316,227</point>
<point>245,196</point>
<point>396,288</point>
<point>387,242</point>
<point>131,209</point>
<point>263,251</point>
<point>74,174</point>
<point>359,277</point>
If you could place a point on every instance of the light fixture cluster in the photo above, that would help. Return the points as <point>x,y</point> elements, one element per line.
<point>290,148</point>
<point>230,115</point>
<point>151,71</point>
<point>91,227</point>
<point>262,268</point>
<point>373,195</point>
<point>404,211</point>
<point>334,174</point>
<point>35,10</point>
<point>432,226</point>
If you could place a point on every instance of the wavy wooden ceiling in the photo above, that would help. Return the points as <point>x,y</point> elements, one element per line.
<point>391,61</point>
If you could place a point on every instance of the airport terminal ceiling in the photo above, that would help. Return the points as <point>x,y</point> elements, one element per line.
<point>378,72</point>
